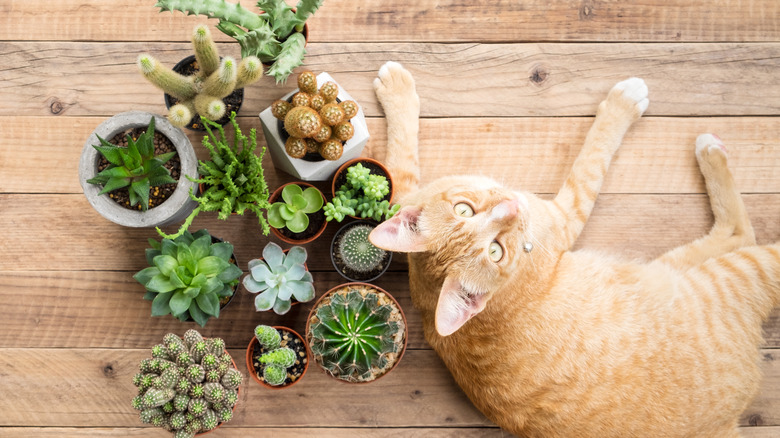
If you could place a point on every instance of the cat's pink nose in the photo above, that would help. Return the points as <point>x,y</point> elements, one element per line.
<point>507,209</point>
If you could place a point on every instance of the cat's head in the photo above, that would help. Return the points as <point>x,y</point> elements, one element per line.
<point>474,230</point>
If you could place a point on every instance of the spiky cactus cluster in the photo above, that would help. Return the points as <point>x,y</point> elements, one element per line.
<point>189,385</point>
<point>362,195</point>
<point>277,359</point>
<point>357,334</point>
<point>201,93</point>
<point>315,120</point>
<point>356,251</point>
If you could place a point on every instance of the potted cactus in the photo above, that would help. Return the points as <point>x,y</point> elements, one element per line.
<point>203,85</point>
<point>354,256</point>
<point>277,35</point>
<point>295,214</point>
<point>277,357</point>
<point>127,181</point>
<point>356,332</point>
<point>279,277</point>
<point>365,190</point>
<point>188,386</point>
<point>232,181</point>
<point>190,277</point>
<point>312,130</point>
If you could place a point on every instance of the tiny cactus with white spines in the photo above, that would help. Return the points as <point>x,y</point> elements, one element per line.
<point>276,360</point>
<point>179,396</point>
<point>356,251</point>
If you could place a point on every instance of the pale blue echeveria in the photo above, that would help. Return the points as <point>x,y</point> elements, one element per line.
<point>278,278</point>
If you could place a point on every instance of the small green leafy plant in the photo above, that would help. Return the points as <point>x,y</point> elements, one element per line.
<point>203,92</point>
<point>292,212</point>
<point>277,359</point>
<point>233,177</point>
<point>280,277</point>
<point>189,385</point>
<point>362,196</point>
<point>135,167</point>
<point>357,334</point>
<point>274,35</point>
<point>188,276</point>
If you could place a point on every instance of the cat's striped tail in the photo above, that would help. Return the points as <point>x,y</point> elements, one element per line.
<point>395,90</point>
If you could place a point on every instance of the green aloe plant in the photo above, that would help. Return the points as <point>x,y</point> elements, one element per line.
<point>274,35</point>
<point>135,167</point>
<point>292,212</point>
<point>188,275</point>
<point>280,277</point>
<point>354,336</point>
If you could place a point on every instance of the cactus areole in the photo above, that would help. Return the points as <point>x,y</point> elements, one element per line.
<point>357,332</point>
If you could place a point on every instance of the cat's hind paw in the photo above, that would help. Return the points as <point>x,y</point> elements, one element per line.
<point>395,87</point>
<point>629,95</point>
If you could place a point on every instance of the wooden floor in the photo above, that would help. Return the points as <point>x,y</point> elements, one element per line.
<point>507,91</point>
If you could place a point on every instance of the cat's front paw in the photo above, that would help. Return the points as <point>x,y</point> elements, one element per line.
<point>710,150</point>
<point>395,89</point>
<point>627,98</point>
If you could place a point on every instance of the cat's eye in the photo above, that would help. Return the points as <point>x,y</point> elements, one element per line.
<point>464,210</point>
<point>495,251</point>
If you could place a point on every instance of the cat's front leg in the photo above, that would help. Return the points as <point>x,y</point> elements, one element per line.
<point>625,104</point>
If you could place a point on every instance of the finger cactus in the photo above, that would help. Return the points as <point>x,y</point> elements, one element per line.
<point>356,333</point>
<point>276,359</point>
<point>315,114</point>
<point>274,35</point>
<point>202,93</point>
<point>203,406</point>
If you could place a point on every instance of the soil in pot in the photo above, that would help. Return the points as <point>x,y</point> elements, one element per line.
<point>188,67</point>
<point>368,264</point>
<point>157,195</point>
<point>295,372</point>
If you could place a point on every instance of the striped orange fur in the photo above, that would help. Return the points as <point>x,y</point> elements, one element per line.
<point>550,342</point>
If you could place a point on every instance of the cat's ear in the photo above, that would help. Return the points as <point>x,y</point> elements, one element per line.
<point>456,306</point>
<point>400,233</point>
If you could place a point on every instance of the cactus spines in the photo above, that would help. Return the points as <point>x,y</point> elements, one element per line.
<point>232,379</point>
<point>332,114</point>
<point>201,93</point>
<point>183,386</point>
<point>307,82</point>
<point>178,420</point>
<point>301,99</point>
<point>154,397</point>
<point>182,433</point>
<point>280,108</point>
<point>331,149</point>
<point>329,90</point>
<point>216,346</point>
<point>148,415</point>
<point>198,350</point>
<point>302,121</point>
<point>209,420</point>
<point>325,133</point>
<point>191,337</point>
<point>160,351</point>
<point>356,334</point>
<point>214,392</point>
<point>195,373</point>
<point>357,252</point>
<point>197,407</point>
<point>284,357</point>
<point>350,108</point>
<point>196,390</point>
<point>169,378</point>
<point>209,362</point>
<point>180,402</point>
<point>343,131</point>
<point>274,375</point>
<point>295,147</point>
<point>317,102</point>
<point>268,337</point>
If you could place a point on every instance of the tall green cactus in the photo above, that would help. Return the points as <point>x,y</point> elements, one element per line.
<point>203,92</point>
<point>272,35</point>
<point>355,337</point>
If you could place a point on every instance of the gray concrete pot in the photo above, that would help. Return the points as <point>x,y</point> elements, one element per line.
<point>175,209</point>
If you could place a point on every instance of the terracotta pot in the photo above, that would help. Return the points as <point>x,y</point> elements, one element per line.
<point>251,368</point>
<point>195,124</point>
<point>339,178</point>
<point>313,311</point>
<point>277,195</point>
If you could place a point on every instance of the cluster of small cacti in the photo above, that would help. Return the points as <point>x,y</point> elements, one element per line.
<point>189,385</point>
<point>356,251</point>
<point>362,196</point>
<point>277,359</point>
<point>354,336</point>
<point>201,93</point>
<point>315,120</point>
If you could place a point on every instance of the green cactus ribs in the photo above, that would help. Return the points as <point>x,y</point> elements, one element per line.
<point>162,145</point>
<point>354,257</point>
<point>357,332</point>
<point>266,359</point>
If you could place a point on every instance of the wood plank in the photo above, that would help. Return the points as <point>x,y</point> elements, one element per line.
<point>75,237</point>
<point>426,20</point>
<point>228,431</point>
<point>453,80</point>
<point>419,392</point>
<point>535,153</point>
<point>64,309</point>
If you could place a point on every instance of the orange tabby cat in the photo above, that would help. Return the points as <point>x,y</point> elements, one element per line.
<point>549,342</point>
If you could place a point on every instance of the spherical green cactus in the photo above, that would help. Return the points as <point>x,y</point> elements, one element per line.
<point>354,336</point>
<point>356,251</point>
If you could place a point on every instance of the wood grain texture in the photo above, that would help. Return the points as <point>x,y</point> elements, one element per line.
<point>71,388</point>
<point>423,20</point>
<point>453,80</point>
<point>419,392</point>
<point>535,153</point>
<point>228,431</point>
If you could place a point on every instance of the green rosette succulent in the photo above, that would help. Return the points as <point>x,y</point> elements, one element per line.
<point>292,212</point>
<point>279,277</point>
<point>135,167</point>
<point>188,276</point>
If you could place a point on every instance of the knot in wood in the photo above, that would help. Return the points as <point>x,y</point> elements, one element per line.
<point>109,371</point>
<point>56,106</point>
<point>539,74</point>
